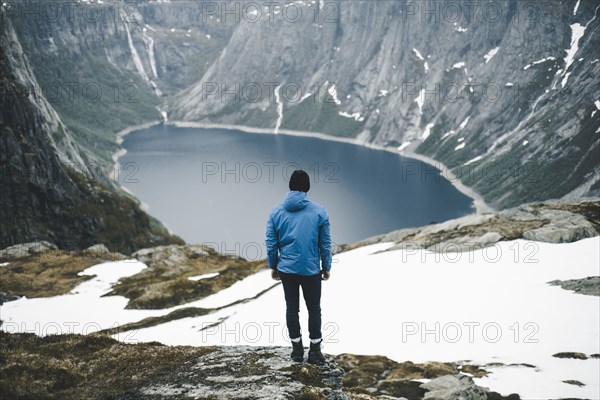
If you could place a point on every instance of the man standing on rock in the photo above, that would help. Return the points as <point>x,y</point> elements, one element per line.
<point>297,239</point>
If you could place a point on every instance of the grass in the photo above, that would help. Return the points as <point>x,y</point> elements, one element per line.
<point>50,273</point>
<point>165,282</point>
<point>83,367</point>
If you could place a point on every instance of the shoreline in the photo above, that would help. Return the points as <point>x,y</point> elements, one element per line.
<point>121,151</point>
<point>478,202</point>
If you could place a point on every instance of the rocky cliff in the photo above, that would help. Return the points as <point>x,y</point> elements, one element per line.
<point>502,93</point>
<point>48,192</point>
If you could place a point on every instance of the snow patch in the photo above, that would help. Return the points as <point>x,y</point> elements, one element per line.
<point>204,276</point>
<point>525,142</point>
<point>525,68</point>
<point>333,92</point>
<point>445,135</point>
<point>356,116</point>
<point>279,109</point>
<point>460,146</point>
<point>577,31</point>
<point>464,123</point>
<point>420,57</point>
<point>472,160</point>
<point>576,7</point>
<point>306,96</point>
<point>427,130</point>
<point>420,100</point>
<point>418,54</point>
<point>403,146</point>
<point>490,54</point>
<point>164,115</point>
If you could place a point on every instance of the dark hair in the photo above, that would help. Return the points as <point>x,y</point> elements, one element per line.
<point>300,181</point>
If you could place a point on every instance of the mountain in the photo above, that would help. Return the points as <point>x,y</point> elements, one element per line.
<point>504,94</point>
<point>501,95</point>
<point>48,190</point>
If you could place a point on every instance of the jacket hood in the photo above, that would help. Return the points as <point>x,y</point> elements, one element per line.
<point>295,200</point>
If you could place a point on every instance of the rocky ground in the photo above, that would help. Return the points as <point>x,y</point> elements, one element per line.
<point>589,285</point>
<point>551,222</point>
<point>165,282</point>
<point>98,367</point>
<point>40,269</point>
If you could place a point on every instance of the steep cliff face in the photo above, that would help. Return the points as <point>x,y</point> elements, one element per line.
<point>105,67</point>
<point>501,92</point>
<point>47,192</point>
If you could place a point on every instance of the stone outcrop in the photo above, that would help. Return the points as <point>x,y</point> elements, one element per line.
<point>98,367</point>
<point>551,222</point>
<point>589,285</point>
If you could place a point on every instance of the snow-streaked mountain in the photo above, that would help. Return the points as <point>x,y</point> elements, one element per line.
<point>51,186</point>
<point>505,93</point>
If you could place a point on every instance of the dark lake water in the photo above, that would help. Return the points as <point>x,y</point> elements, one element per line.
<point>217,186</point>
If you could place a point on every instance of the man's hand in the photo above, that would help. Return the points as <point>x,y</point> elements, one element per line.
<point>325,275</point>
<point>275,275</point>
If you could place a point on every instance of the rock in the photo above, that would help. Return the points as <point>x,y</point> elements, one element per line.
<point>26,249</point>
<point>498,396</point>
<point>408,389</point>
<point>236,371</point>
<point>466,243</point>
<point>553,222</point>
<point>97,249</point>
<point>589,285</point>
<point>570,354</point>
<point>564,227</point>
<point>5,297</point>
<point>454,387</point>
<point>473,370</point>
<point>574,382</point>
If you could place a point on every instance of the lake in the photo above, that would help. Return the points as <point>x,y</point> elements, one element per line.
<point>217,186</point>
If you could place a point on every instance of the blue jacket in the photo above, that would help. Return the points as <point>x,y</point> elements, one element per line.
<point>298,236</point>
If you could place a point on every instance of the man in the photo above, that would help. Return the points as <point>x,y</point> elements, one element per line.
<point>297,239</point>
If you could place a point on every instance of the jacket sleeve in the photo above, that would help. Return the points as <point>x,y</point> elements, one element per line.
<point>272,244</point>
<point>325,244</point>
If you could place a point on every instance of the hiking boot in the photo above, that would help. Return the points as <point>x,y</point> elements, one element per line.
<point>297,351</point>
<point>314,353</point>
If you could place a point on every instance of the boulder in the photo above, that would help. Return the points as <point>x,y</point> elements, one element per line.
<point>26,249</point>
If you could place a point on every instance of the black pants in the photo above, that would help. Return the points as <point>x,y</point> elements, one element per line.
<point>311,290</point>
